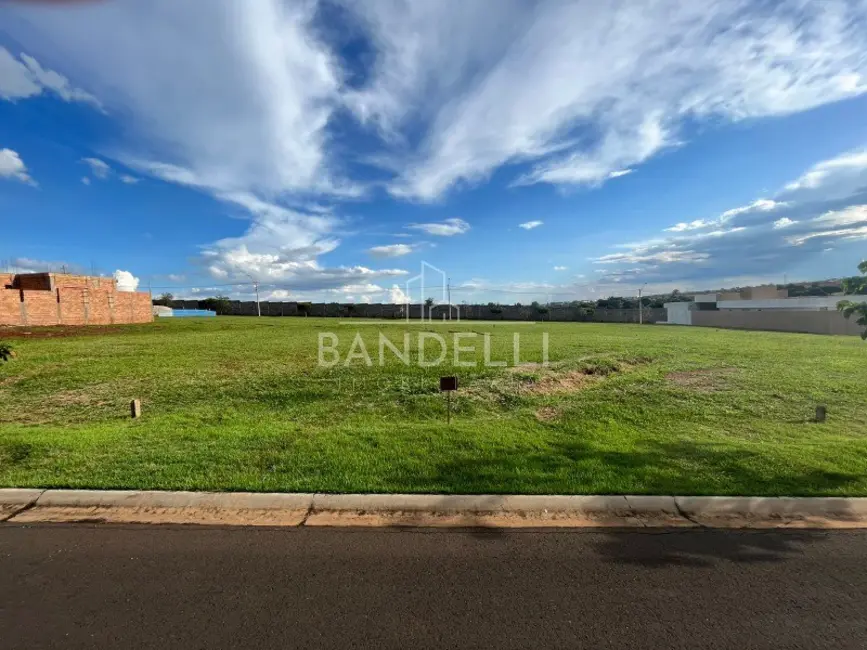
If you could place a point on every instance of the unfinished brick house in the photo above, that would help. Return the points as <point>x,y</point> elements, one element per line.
<point>35,299</point>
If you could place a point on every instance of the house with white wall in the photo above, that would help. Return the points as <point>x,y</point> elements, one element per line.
<point>764,308</point>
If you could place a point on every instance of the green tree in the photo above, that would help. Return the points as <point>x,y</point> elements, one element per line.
<point>165,300</point>
<point>495,308</point>
<point>856,285</point>
<point>219,304</point>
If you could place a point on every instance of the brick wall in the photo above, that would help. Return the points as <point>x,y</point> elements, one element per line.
<point>83,282</point>
<point>10,306</point>
<point>132,307</point>
<point>33,281</point>
<point>71,300</point>
<point>39,307</point>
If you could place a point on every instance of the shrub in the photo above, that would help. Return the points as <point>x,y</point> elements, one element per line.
<point>851,308</point>
<point>6,351</point>
<point>222,305</point>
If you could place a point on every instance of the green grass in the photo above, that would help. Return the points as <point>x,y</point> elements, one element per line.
<point>240,404</point>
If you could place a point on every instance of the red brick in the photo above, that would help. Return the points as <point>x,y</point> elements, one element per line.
<point>59,299</point>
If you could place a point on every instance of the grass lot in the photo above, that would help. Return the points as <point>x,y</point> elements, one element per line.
<point>239,404</point>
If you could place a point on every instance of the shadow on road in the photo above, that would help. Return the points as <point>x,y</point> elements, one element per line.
<point>705,548</point>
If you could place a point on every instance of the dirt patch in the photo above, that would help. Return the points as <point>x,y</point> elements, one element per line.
<point>565,377</point>
<point>557,382</point>
<point>66,331</point>
<point>79,397</point>
<point>8,381</point>
<point>547,414</point>
<point>707,380</point>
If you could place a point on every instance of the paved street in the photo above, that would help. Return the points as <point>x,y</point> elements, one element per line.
<point>102,586</point>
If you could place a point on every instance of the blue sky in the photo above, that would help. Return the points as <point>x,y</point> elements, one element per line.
<point>545,150</point>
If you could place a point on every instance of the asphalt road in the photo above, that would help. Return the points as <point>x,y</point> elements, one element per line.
<point>106,586</point>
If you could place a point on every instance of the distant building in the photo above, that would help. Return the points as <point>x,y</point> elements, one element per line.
<point>36,299</point>
<point>764,308</point>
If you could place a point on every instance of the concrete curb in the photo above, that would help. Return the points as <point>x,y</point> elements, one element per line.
<point>423,510</point>
<point>15,500</point>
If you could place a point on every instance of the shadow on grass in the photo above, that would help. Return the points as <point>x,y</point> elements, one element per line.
<point>653,468</point>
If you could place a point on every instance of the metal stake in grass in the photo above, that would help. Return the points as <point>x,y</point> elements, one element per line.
<point>135,408</point>
<point>821,413</point>
<point>447,385</point>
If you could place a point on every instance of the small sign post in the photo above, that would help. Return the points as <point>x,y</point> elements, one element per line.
<point>821,413</point>
<point>447,385</point>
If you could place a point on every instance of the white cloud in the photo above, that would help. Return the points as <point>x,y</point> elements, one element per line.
<point>126,281</point>
<point>561,268</point>
<point>173,277</point>
<point>644,254</point>
<point>12,167</point>
<point>30,265</point>
<point>570,93</point>
<point>831,179</point>
<point>16,82</point>
<point>85,180</point>
<point>454,90</point>
<point>841,234</point>
<point>447,228</point>
<point>761,205</point>
<point>827,205</point>
<point>634,144</point>
<point>257,126</point>
<point>282,247</point>
<point>397,296</point>
<point>751,211</point>
<point>391,250</point>
<point>254,135</point>
<point>692,225</point>
<point>98,168</point>
<point>853,214</point>
<point>365,289</point>
<point>24,78</point>
<point>102,171</point>
<point>529,225</point>
<point>534,88</point>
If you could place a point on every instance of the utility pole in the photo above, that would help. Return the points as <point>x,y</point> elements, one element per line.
<point>256,287</point>
<point>258,308</point>
<point>640,305</point>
